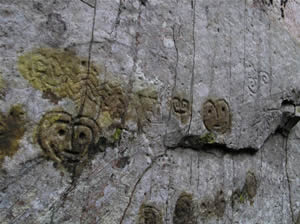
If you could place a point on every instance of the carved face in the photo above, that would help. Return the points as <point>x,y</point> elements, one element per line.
<point>183,212</point>
<point>149,215</point>
<point>65,139</point>
<point>216,115</point>
<point>181,107</point>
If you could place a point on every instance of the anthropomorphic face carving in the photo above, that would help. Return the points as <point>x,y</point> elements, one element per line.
<point>65,139</point>
<point>184,210</point>
<point>149,215</point>
<point>181,107</point>
<point>216,115</point>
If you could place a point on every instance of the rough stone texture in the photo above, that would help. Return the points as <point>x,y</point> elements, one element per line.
<point>142,72</point>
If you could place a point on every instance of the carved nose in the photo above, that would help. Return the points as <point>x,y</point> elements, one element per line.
<point>69,153</point>
<point>67,145</point>
<point>77,148</point>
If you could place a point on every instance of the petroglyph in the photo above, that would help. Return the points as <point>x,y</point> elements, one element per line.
<point>181,107</point>
<point>258,83</point>
<point>217,116</point>
<point>60,74</point>
<point>184,210</point>
<point>149,215</point>
<point>65,139</point>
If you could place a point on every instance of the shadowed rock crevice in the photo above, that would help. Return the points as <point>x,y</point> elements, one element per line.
<point>207,142</point>
<point>290,117</point>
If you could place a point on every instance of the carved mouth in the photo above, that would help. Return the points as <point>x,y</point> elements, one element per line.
<point>182,111</point>
<point>217,127</point>
<point>70,156</point>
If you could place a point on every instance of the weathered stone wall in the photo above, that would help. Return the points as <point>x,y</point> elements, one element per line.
<point>149,111</point>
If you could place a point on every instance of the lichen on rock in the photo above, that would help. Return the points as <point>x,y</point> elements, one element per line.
<point>58,73</point>
<point>142,106</point>
<point>2,87</point>
<point>12,129</point>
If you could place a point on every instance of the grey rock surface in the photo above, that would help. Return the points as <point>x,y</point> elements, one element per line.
<point>169,111</point>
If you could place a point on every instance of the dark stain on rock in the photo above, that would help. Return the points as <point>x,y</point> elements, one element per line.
<point>283,4</point>
<point>215,207</point>
<point>12,129</point>
<point>56,24</point>
<point>2,87</point>
<point>48,94</point>
<point>143,2</point>
<point>122,162</point>
<point>220,204</point>
<point>53,29</point>
<point>184,210</point>
<point>38,6</point>
<point>149,215</point>
<point>250,186</point>
<point>248,192</point>
<point>298,219</point>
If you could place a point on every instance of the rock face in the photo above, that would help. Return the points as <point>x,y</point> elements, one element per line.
<point>149,111</point>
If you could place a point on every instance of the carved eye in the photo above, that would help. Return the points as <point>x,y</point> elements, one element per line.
<point>176,101</point>
<point>82,135</point>
<point>209,108</point>
<point>61,132</point>
<point>176,104</point>
<point>52,145</point>
<point>85,132</point>
<point>185,104</point>
<point>222,107</point>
